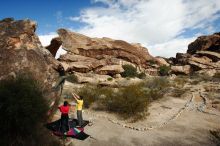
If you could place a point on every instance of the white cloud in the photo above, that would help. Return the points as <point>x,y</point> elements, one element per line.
<point>45,41</point>
<point>170,48</point>
<point>150,22</point>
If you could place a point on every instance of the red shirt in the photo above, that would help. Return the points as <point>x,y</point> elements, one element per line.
<point>64,109</point>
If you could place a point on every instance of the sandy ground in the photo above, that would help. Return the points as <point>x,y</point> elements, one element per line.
<point>172,122</point>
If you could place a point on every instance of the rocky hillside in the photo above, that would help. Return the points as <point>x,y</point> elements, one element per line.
<point>94,59</point>
<point>22,52</point>
<point>203,56</point>
<point>102,56</point>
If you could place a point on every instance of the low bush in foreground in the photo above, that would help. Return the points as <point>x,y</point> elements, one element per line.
<point>23,111</point>
<point>129,102</point>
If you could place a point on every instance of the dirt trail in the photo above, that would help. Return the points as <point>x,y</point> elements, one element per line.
<point>172,121</point>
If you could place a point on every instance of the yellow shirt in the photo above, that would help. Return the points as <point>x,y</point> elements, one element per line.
<point>79,104</point>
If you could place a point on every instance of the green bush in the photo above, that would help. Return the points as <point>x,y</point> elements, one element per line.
<point>23,110</point>
<point>164,70</point>
<point>110,79</point>
<point>129,102</point>
<point>72,78</point>
<point>159,83</point>
<point>129,71</point>
<point>180,81</point>
<point>89,93</point>
<point>141,75</point>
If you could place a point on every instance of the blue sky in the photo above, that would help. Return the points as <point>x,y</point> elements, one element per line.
<point>164,27</point>
<point>49,14</point>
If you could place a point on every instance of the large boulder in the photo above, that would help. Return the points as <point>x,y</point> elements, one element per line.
<point>203,56</point>
<point>22,52</point>
<point>205,43</point>
<point>100,55</point>
<point>161,61</point>
<point>186,69</point>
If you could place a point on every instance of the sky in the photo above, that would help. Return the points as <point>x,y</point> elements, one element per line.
<point>164,27</point>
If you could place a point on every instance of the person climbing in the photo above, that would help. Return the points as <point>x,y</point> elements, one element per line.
<point>62,78</point>
<point>79,100</point>
<point>64,109</point>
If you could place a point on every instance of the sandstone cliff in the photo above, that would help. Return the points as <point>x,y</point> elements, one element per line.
<point>22,52</point>
<point>203,56</point>
<point>103,56</point>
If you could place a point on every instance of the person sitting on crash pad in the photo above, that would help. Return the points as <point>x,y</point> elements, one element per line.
<point>79,100</point>
<point>64,109</point>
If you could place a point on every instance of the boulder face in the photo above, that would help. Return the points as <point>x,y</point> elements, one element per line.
<point>102,56</point>
<point>203,56</point>
<point>205,43</point>
<point>22,52</point>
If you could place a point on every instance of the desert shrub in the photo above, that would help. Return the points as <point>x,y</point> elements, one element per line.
<point>110,79</point>
<point>164,70</point>
<point>72,78</point>
<point>89,93</point>
<point>157,83</point>
<point>156,87</point>
<point>129,102</point>
<point>180,81</point>
<point>141,75</point>
<point>197,78</point>
<point>23,110</point>
<point>155,94</point>
<point>129,71</point>
<point>178,92</point>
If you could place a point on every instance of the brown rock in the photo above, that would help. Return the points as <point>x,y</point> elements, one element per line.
<point>212,55</point>
<point>182,58</point>
<point>203,63</point>
<point>22,52</point>
<point>110,70</point>
<point>205,43</point>
<point>161,61</point>
<point>186,69</point>
<point>95,47</point>
<point>54,45</point>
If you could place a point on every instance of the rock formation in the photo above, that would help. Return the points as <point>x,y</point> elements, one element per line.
<point>205,43</point>
<point>22,52</point>
<point>203,56</point>
<point>101,56</point>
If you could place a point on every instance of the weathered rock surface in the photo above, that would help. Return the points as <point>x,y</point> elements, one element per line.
<point>205,43</point>
<point>161,61</point>
<point>22,52</point>
<point>101,55</point>
<point>54,46</point>
<point>203,56</point>
<point>181,69</point>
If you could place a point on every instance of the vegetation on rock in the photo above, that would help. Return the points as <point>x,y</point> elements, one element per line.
<point>164,70</point>
<point>23,109</point>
